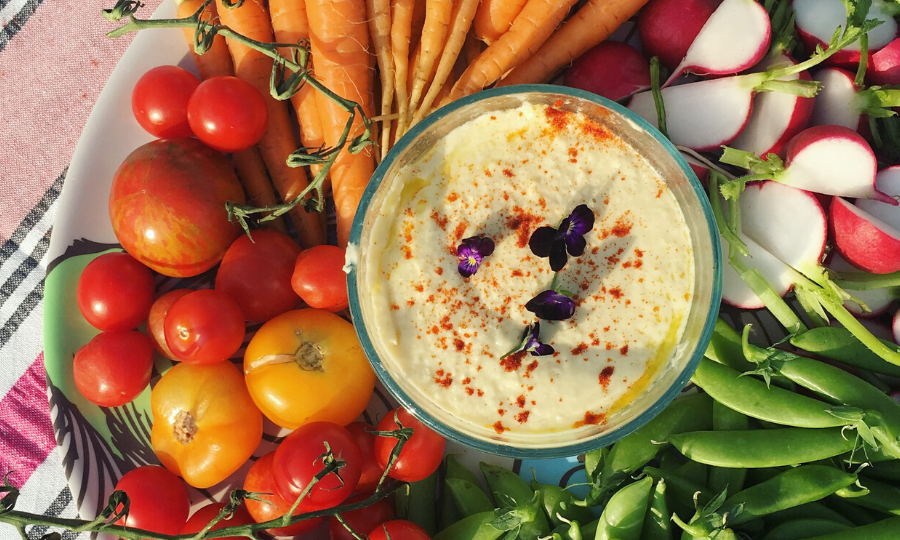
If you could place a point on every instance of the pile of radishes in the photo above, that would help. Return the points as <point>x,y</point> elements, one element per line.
<point>775,88</point>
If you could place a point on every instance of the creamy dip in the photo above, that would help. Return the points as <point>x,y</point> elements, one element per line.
<point>503,175</point>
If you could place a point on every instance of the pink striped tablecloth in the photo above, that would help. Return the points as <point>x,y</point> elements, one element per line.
<point>54,60</point>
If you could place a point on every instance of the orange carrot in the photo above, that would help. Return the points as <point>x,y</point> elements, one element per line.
<point>252,20</point>
<point>379,15</point>
<point>494,18</point>
<point>401,30</point>
<point>529,31</point>
<point>463,11</point>
<point>434,32</point>
<point>215,62</point>
<point>593,23</point>
<point>339,39</point>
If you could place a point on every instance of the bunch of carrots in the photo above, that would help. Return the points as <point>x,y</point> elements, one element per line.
<point>428,53</point>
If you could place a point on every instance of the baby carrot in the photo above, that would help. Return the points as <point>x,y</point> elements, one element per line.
<point>494,17</point>
<point>437,15</point>
<point>401,30</point>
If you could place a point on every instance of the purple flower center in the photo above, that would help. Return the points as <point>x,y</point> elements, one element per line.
<point>566,240</point>
<point>471,252</point>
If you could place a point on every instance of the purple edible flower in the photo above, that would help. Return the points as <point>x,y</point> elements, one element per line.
<point>470,253</point>
<point>532,343</point>
<point>551,306</point>
<point>569,237</point>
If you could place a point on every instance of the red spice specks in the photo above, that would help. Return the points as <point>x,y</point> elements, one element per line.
<point>508,173</point>
<point>659,193</point>
<point>452,196</point>
<point>407,252</point>
<point>520,401</point>
<point>517,273</point>
<point>434,330</point>
<point>557,118</point>
<point>590,419</point>
<point>579,349</point>
<point>438,270</point>
<point>523,222</point>
<point>467,380</point>
<point>638,253</point>
<point>605,376</point>
<point>444,380</point>
<point>410,303</point>
<point>459,344</point>
<point>499,428</point>
<point>624,350</point>
<point>501,412</point>
<point>419,288</point>
<point>446,324</point>
<point>522,417</point>
<point>395,307</point>
<point>440,220</point>
<point>531,367</point>
<point>513,362</point>
<point>615,292</point>
<point>459,231</point>
<point>470,390</point>
<point>479,392</point>
<point>487,173</point>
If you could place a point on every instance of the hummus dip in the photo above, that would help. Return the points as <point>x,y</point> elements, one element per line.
<point>502,175</point>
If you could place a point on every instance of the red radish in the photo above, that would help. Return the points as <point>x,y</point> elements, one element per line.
<point>734,38</point>
<point>776,116</point>
<point>835,103</point>
<point>777,274</point>
<point>817,20</point>
<point>833,160</point>
<point>888,181</point>
<point>668,27</point>
<point>612,69</point>
<point>895,330</point>
<point>884,65</point>
<point>863,240</point>
<point>877,300</point>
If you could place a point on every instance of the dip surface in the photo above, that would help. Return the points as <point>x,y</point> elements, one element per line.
<point>503,175</point>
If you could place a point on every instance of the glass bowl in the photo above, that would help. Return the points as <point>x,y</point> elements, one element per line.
<point>703,305</point>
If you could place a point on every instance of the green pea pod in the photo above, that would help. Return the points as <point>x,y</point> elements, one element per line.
<point>754,398</point>
<point>721,478</point>
<point>593,462</point>
<point>569,531</point>
<point>813,510</point>
<point>762,448</point>
<point>454,469</point>
<point>475,527</point>
<point>421,504</point>
<point>589,529</point>
<point>509,489</point>
<point>670,460</point>
<point>449,514</point>
<point>758,476</point>
<point>800,485</point>
<point>693,472</point>
<point>679,491</point>
<point>656,522</point>
<point>838,344</point>
<point>885,529</point>
<point>882,497</point>
<point>725,347</point>
<point>686,413</point>
<point>623,517</point>
<point>468,497</point>
<point>804,528</point>
<point>854,514</point>
<point>559,502</point>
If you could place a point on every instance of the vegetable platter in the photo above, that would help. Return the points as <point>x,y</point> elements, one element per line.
<point>816,413</point>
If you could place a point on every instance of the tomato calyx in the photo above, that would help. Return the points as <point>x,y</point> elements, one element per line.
<point>185,427</point>
<point>308,357</point>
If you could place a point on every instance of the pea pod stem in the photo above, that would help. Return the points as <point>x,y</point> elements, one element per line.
<point>838,344</point>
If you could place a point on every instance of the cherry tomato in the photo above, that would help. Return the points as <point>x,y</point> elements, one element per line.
<point>158,500</point>
<point>204,327</point>
<point>205,426</point>
<point>227,113</point>
<point>371,470</point>
<point>422,453</point>
<point>167,206</point>
<point>114,367</point>
<point>307,366</point>
<point>364,519</point>
<point>160,101</point>
<point>259,480</point>
<point>156,321</point>
<point>115,292</point>
<point>398,529</point>
<point>257,274</point>
<point>319,278</point>
<point>299,458</point>
<point>203,516</point>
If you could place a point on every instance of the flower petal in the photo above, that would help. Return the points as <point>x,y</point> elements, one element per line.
<point>484,245</point>
<point>575,245</point>
<point>467,267</point>
<point>558,256</point>
<point>541,241</point>
<point>581,220</point>
<point>542,350</point>
<point>551,306</point>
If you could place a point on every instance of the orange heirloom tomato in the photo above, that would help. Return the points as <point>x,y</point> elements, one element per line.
<point>205,425</point>
<point>307,366</point>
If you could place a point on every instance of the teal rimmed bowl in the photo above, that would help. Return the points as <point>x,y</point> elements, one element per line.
<point>694,205</point>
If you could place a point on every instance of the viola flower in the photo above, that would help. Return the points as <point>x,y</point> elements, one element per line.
<point>568,238</point>
<point>471,252</point>
<point>551,305</point>
<point>531,342</point>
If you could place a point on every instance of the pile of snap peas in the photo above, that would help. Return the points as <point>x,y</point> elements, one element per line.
<point>766,444</point>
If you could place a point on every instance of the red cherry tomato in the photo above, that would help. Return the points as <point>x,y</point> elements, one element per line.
<point>203,516</point>
<point>257,274</point>
<point>364,519</point>
<point>297,460</point>
<point>371,470</point>
<point>399,529</point>
<point>259,480</point>
<point>114,367</point>
<point>319,278</point>
<point>420,456</point>
<point>160,101</point>
<point>157,318</point>
<point>204,327</point>
<point>115,292</point>
<point>227,113</point>
<point>159,500</point>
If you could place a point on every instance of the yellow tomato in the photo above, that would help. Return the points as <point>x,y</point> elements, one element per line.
<point>205,425</point>
<point>307,366</point>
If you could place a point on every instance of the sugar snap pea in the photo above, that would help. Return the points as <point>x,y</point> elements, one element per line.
<point>725,347</point>
<point>762,448</point>
<point>656,522</point>
<point>885,529</point>
<point>754,398</point>
<point>804,528</point>
<point>722,478</point>
<point>813,510</point>
<point>694,472</point>
<point>680,492</point>
<point>623,517</point>
<point>509,489</point>
<point>881,497</point>
<point>838,344</point>
<point>559,503</point>
<point>853,513</point>
<point>468,497</point>
<point>475,527</point>
<point>420,508</point>
<point>793,487</point>
<point>886,471</point>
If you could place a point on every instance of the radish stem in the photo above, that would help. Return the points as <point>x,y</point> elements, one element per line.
<point>864,281</point>
<point>860,79</point>
<point>657,96</point>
